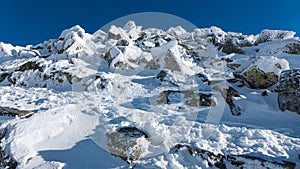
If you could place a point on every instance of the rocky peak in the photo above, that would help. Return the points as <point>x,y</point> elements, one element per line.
<point>269,35</point>
<point>71,32</point>
<point>176,31</point>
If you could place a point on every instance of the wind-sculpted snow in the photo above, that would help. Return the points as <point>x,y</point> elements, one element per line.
<point>151,98</point>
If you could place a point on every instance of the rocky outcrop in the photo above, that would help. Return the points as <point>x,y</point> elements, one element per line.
<point>229,95</point>
<point>226,42</point>
<point>221,161</point>
<point>30,66</point>
<point>289,91</point>
<point>189,98</point>
<point>5,160</point>
<point>257,79</point>
<point>229,47</point>
<point>7,111</point>
<point>269,35</point>
<point>3,76</point>
<point>293,48</point>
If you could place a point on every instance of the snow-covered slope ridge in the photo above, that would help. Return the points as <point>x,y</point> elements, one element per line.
<point>151,98</point>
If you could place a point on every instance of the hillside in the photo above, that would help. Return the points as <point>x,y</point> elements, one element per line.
<point>149,98</point>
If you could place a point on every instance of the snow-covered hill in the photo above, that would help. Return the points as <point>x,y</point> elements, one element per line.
<point>148,98</point>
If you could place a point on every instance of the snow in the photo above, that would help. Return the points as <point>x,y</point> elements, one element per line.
<point>69,125</point>
<point>276,34</point>
<point>169,57</point>
<point>70,33</point>
<point>132,30</point>
<point>178,31</point>
<point>271,64</point>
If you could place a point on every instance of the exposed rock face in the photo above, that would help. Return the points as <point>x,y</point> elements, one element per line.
<point>221,161</point>
<point>166,76</point>
<point>6,161</point>
<point>30,66</point>
<point>229,94</point>
<point>289,91</point>
<point>229,47</point>
<point>13,112</point>
<point>3,76</point>
<point>161,75</point>
<point>122,42</point>
<point>190,98</point>
<point>268,35</point>
<point>293,48</point>
<point>128,143</point>
<point>257,79</point>
<point>42,66</point>
<point>226,42</point>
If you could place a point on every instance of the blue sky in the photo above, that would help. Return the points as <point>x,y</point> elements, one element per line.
<point>33,21</point>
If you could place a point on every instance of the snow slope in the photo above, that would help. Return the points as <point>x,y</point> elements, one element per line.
<point>173,85</point>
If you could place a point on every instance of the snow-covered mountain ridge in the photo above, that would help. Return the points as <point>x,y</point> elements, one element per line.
<point>160,99</point>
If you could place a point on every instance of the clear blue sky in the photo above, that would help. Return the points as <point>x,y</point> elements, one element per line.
<point>33,21</point>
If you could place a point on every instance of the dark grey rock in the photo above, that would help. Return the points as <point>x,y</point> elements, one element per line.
<point>3,76</point>
<point>221,161</point>
<point>122,42</point>
<point>229,47</point>
<point>269,35</point>
<point>5,160</point>
<point>289,91</point>
<point>228,94</point>
<point>14,112</point>
<point>188,97</point>
<point>293,48</point>
<point>161,75</point>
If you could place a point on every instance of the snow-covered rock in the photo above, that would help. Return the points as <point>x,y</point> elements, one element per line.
<point>269,35</point>
<point>264,72</point>
<point>159,99</point>
<point>129,143</point>
<point>289,90</point>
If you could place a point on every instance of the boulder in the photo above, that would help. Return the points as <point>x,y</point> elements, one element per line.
<point>128,143</point>
<point>257,79</point>
<point>229,47</point>
<point>188,97</point>
<point>262,73</point>
<point>161,75</point>
<point>289,91</point>
<point>229,94</point>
